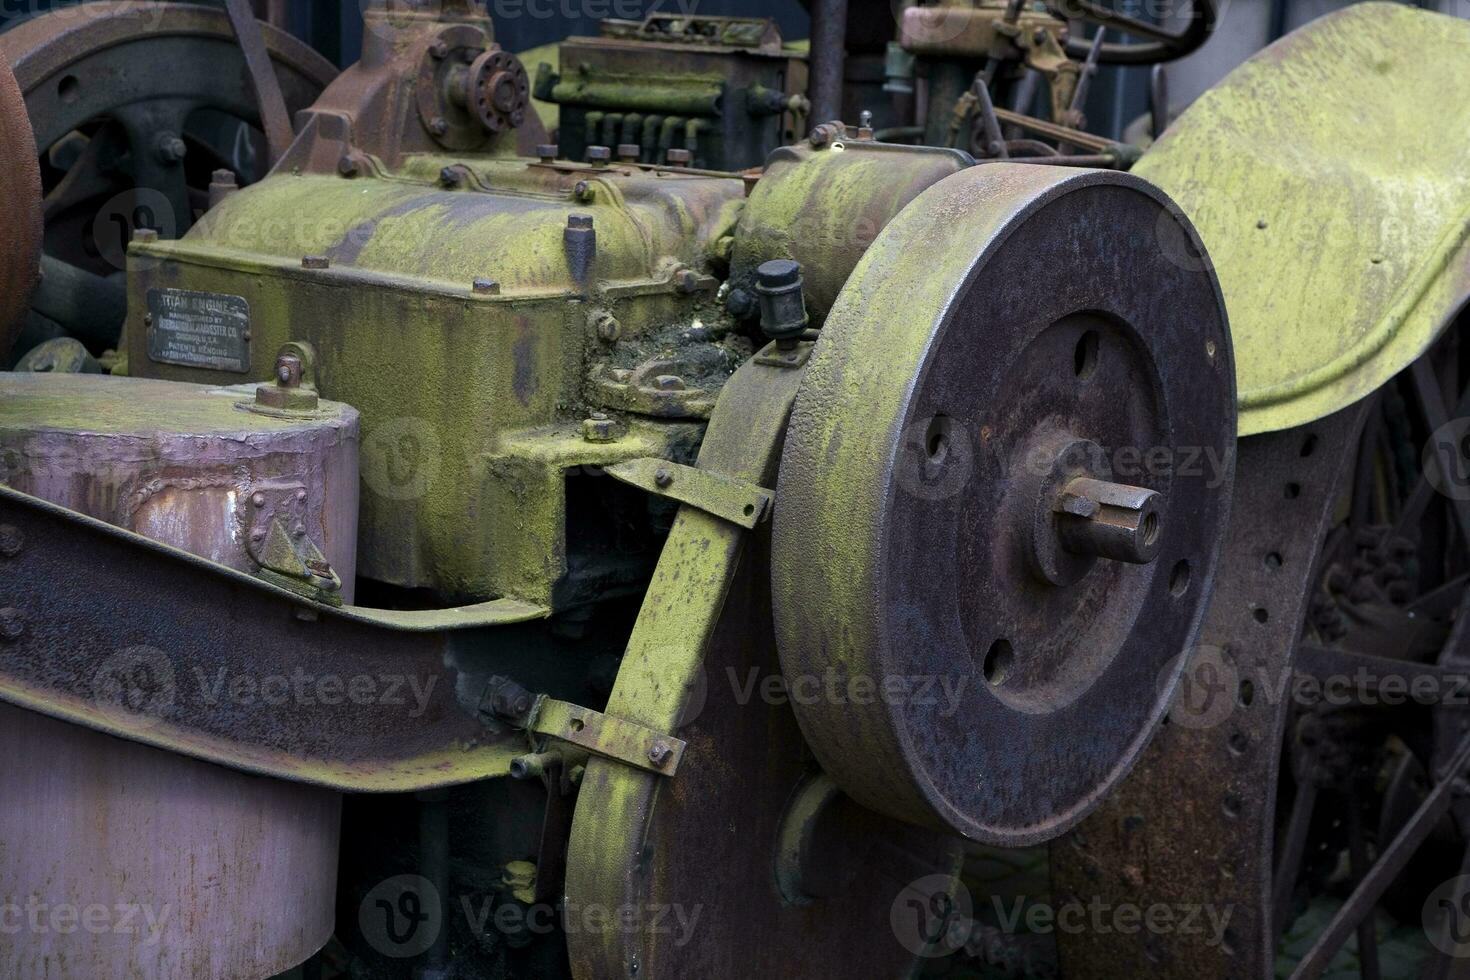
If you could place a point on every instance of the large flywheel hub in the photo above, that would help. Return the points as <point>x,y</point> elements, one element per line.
<point>1002,497</point>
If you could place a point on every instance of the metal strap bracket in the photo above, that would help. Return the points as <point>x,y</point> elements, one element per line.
<point>727,498</point>
<point>612,738</point>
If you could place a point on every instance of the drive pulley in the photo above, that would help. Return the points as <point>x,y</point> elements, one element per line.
<point>1002,498</point>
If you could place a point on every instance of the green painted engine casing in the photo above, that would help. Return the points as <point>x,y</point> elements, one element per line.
<point>823,206</point>
<point>472,399</point>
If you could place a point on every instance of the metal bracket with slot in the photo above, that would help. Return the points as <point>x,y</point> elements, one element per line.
<point>727,498</point>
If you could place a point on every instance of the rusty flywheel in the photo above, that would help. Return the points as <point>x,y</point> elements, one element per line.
<point>1002,499</point>
<point>20,209</point>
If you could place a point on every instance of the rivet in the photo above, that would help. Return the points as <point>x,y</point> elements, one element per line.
<point>12,623</point>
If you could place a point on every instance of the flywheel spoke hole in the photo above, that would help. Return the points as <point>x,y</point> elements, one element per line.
<point>998,662</point>
<point>936,439</point>
<point>1179,578</point>
<point>1084,358</point>
<point>69,89</point>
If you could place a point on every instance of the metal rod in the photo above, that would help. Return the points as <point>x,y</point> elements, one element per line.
<point>828,58</point>
<point>1031,124</point>
<point>1289,864</point>
<point>1431,400</point>
<point>1158,100</point>
<point>995,145</point>
<point>1358,864</point>
<point>275,121</point>
<point>1388,866</point>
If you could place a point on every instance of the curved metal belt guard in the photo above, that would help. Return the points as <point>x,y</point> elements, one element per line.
<point>111,630</point>
<point>1333,285</point>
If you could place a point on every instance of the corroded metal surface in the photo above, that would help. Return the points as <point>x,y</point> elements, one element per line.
<point>184,464</point>
<point>122,861</point>
<point>823,206</point>
<point>955,391</point>
<point>1325,177</point>
<point>20,209</point>
<point>706,843</point>
<point>1193,824</point>
<point>472,399</point>
<point>158,646</point>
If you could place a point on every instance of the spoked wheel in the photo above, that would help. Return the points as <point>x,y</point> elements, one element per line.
<point>134,106</point>
<point>1373,746</point>
<point>1315,756</point>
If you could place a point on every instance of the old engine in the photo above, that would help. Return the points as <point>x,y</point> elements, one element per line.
<point>669,551</point>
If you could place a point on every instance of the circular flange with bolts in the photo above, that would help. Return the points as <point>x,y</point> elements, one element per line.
<point>500,89</point>
<point>1002,499</point>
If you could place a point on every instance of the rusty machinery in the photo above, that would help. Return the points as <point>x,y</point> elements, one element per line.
<point>645,455</point>
<point>967,51</point>
<point>712,92</point>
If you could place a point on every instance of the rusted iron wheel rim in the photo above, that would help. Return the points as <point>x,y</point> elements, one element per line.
<point>117,94</point>
<point>20,209</point>
<point>1013,329</point>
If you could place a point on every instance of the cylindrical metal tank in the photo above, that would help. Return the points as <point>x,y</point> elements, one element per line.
<point>185,464</point>
<point>120,860</point>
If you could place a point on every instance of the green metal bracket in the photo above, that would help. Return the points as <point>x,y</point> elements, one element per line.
<point>603,735</point>
<point>727,498</point>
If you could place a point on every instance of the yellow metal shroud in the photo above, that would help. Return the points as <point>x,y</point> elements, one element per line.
<point>1327,179</point>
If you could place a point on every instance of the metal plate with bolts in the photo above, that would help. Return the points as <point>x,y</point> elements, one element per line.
<point>1002,499</point>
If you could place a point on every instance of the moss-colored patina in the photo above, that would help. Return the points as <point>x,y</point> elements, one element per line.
<point>471,396</point>
<point>1326,177</point>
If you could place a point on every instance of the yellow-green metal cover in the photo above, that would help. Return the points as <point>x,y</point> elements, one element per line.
<point>1328,179</point>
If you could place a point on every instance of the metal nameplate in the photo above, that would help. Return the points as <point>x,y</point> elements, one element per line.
<point>199,330</point>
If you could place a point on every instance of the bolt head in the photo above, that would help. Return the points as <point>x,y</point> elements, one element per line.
<point>777,273</point>
<point>438,125</point>
<point>257,499</point>
<point>663,477</point>
<point>315,262</point>
<point>659,752</point>
<point>629,152</point>
<point>145,235</point>
<point>439,50</point>
<point>600,428</point>
<point>679,158</point>
<point>668,382</point>
<point>686,281</point>
<point>583,191</point>
<point>548,152</point>
<point>608,328</point>
<point>486,287</point>
<point>598,156</point>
